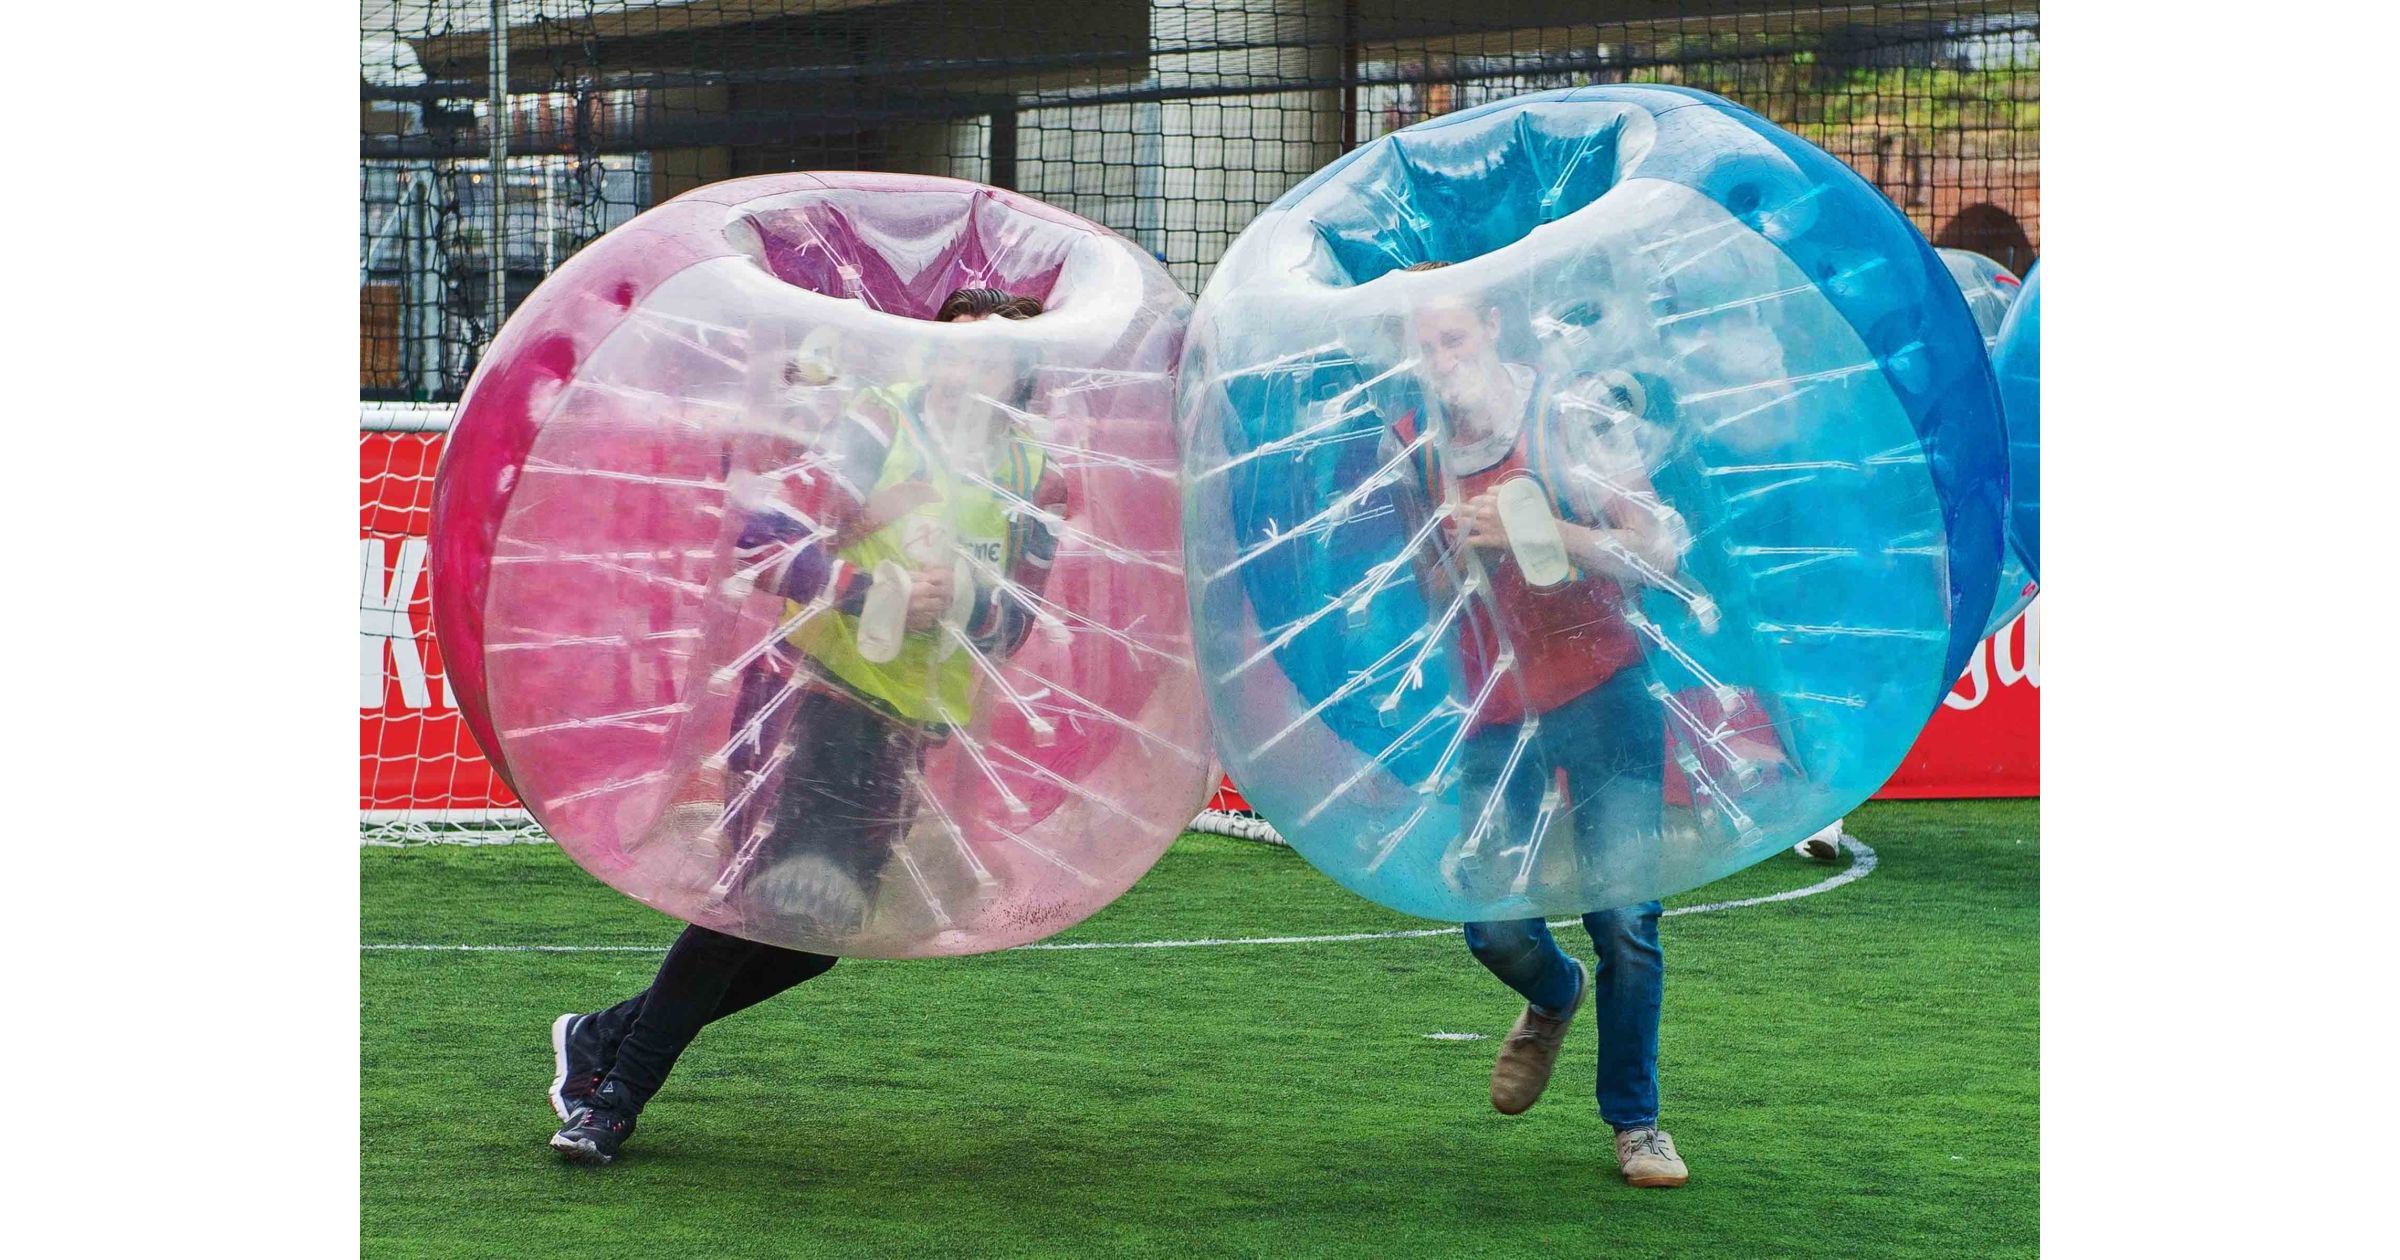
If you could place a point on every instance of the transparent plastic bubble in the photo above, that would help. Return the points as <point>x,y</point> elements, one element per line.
<point>694,530</point>
<point>1991,290</point>
<point>1626,550</point>
<point>2017,362</point>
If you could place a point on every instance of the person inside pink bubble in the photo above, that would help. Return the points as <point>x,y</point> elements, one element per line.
<point>899,565</point>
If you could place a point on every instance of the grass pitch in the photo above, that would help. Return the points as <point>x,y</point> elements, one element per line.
<point>1849,1074</point>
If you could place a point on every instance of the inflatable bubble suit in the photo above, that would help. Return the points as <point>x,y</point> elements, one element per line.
<point>1991,290</point>
<point>2017,362</point>
<point>1627,549</point>
<point>696,522</point>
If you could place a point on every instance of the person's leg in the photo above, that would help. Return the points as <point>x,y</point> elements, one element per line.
<point>1613,742</point>
<point>873,785</point>
<point>1620,810</point>
<point>705,977</point>
<point>582,1047</point>
<point>693,982</point>
<point>1504,774</point>
<point>1521,953</point>
<point>1628,993</point>
<point>1503,785</point>
<point>1628,989</point>
<point>586,1043</point>
<point>769,971</point>
<point>1621,815</point>
<point>708,975</point>
<point>763,754</point>
<point>837,817</point>
<point>604,1028</point>
<point>1527,958</point>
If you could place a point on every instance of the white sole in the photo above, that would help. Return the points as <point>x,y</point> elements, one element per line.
<point>579,1152</point>
<point>558,1053</point>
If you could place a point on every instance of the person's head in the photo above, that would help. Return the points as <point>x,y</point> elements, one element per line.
<point>995,371</point>
<point>1456,339</point>
<point>965,306</point>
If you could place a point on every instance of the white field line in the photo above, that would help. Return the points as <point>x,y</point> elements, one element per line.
<point>1862,863</point>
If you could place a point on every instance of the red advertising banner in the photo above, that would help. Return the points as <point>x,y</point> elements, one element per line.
<point>1985,741</point>
<point>414,754</point>
<point>417,759</point>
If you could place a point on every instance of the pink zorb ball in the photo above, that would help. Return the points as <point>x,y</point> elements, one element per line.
<point>796,614</point>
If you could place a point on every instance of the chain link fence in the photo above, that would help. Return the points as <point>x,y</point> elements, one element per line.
<point>497,137</point>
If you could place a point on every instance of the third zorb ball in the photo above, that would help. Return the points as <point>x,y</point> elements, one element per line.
<point>1586,496</point>
<point>1991,291</point>
<point>2017,363</point>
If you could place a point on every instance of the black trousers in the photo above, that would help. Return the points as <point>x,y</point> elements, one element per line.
<point>841,799</point>
<point>705,977</point>
<point>841,795</point>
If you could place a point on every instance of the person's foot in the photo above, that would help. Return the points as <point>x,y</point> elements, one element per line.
<point>598,1131</point>
<point>576,1050</point>
<point>1530,1051</point>
<point>811,886</point>
<point>1824,846</point>
<point>1647,1158</point>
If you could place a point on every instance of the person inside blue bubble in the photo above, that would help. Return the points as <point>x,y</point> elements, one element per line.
<point>1552,528</point>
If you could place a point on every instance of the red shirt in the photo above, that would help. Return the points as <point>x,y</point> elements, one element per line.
<point>1568,638</point>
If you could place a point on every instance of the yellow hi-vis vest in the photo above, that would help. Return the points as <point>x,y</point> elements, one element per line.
<point>922,684</point>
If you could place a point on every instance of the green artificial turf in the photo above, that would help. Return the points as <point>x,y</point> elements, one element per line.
<point>1848,1074</point>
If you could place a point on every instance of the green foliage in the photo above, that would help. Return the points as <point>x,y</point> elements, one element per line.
<point>1851,1074</point>
<point>1817,100</point>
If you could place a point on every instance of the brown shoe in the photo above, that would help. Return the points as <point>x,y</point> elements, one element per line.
<point>1530,1051</point>
<point>1647,1158</point>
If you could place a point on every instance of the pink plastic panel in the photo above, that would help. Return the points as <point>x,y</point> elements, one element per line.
<point>684,376</point>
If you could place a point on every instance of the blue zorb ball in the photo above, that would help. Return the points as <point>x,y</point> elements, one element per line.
<point>1586,495</point>
<point>1991,291</point>
<point>2017,362</point>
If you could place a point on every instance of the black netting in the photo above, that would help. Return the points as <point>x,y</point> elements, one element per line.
<point>1172,121</point>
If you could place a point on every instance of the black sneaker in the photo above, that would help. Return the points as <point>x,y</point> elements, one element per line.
<point>597,1132</point>
<point>577,1049</point>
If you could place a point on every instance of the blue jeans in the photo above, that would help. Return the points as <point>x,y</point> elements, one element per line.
<point>1611,743</point>
<point>1627,989</point>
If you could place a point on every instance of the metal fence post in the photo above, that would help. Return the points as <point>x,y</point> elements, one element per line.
<point>497,298</point>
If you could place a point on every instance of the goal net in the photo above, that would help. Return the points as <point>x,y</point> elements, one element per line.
<point>420,775</point>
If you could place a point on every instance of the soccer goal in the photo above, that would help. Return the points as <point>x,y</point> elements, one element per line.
<point>420,776</point>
